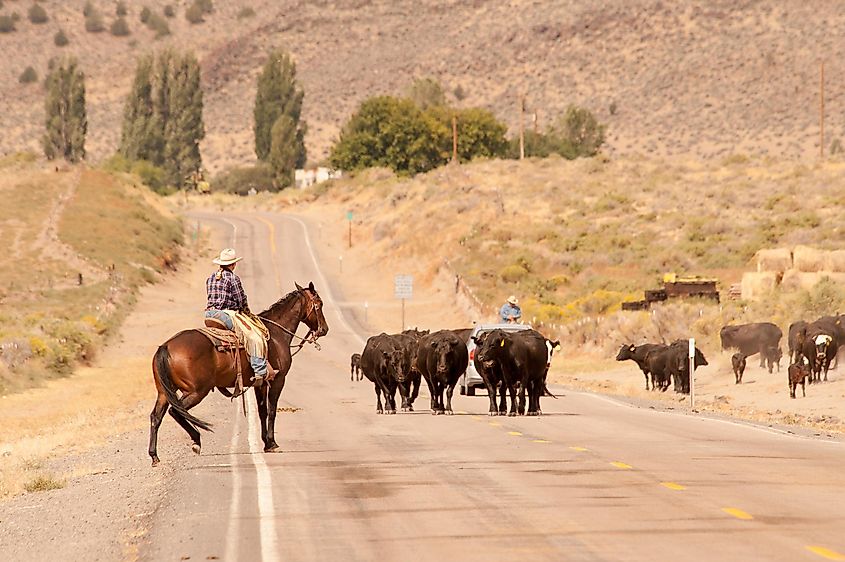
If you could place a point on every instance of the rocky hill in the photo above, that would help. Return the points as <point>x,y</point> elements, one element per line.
<point>708,77</point>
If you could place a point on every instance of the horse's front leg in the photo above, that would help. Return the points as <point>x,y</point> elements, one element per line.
<point>261,402</point>
<point>155,421</point>
<point>273,395</point>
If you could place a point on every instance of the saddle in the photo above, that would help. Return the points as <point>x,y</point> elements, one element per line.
<point>223,339</point>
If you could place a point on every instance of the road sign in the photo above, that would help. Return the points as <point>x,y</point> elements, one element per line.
<point>403,286</point>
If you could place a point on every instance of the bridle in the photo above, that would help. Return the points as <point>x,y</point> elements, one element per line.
<point>311,337</point>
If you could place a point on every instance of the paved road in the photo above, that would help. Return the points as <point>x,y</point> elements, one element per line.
<point>593,479</point>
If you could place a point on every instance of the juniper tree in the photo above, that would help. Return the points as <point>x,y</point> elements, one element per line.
<point>67,122</point>
<point>278,94</point>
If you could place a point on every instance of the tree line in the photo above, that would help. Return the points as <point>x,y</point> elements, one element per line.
<point>163,126</point>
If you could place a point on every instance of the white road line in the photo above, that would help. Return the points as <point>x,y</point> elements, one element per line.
<point>232,542</point>
<point>323,281</point>
<point>266,513</point>
<point>264,485</point>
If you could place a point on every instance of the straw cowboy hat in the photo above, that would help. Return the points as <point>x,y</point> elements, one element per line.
<point>227,257</point>
<point>512,300</point>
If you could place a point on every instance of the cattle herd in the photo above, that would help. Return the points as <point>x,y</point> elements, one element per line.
<point>812,348</point>
<point>510,364</point>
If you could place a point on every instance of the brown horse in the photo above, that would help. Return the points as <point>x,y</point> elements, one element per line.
<point>189,362</point>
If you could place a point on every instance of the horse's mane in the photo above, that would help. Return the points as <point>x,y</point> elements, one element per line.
<point>281,303</point>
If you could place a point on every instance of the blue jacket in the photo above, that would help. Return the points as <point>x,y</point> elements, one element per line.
<point>509,311</point>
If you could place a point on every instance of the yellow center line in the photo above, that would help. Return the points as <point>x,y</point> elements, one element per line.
<point>495,424</point>
<point>514,433</point>
<point>540,441</point>
<point>673,486</point>
<point>738,513</point>
<point>621,465</point>
<point>825,552</point>
<point>272,228</point>
<point>579,449</point>
<point>477,418</point>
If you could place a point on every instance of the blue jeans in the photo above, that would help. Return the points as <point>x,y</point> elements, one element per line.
<point>258,364</point>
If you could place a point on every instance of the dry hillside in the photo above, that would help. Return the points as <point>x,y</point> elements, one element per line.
<point>62,226</point>
<point>573,239</point>
<point>703,77</point>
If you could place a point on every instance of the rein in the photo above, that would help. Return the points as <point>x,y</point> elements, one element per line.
<point>310,337</point>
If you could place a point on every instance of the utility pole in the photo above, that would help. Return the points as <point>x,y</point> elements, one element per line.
<point>821,111</point>
<point>455,138</point>
<point>522,126</point>
<point>536,121</point>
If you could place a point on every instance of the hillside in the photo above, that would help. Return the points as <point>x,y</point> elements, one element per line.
<point>71,275</point>
<point>708,78</point>
<point>573,239</point>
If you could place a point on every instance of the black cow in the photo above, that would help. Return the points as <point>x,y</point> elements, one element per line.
<point>493,378</point>
<point>796,335</point>
<point>355,367</point>
<point>834,325</point>
<point>409,388</point>
<point>441,359</point>
<point>463,334</point>
<point>522,358</point>
<point>738,364</point>
<point>671,363</point>
<point>772,357</point>
<point>382,362</point>
<point>750,339</point>
<point>798,373</point>
<point>637,354</point>
<point>819,349</point>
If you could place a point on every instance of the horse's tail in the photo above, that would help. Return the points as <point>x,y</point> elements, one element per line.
<point>547,392</point>
<point>161,369</point>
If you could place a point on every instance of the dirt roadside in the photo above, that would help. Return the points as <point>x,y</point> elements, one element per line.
<point>85,436</point>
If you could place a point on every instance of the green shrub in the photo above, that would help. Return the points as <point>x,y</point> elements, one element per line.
<point>94,22</point>
<point>159,25</point>
<point>43,483</point>
<point>151,175</point>
<point>37,14</point>
<point>120,10</point>
<point>120,28</point>
<point>246,12</point>
<point>194,13</point>
<point>7,24</point>
<point>28,76</point>
<point>169,11</point>
<point>513,273</point>
<point>241,179</point>
<point>145,14</point>
<point>60,39</point>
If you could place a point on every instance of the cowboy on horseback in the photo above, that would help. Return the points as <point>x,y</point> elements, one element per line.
<point>227,303</point>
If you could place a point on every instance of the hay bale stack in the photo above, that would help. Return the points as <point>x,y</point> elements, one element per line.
<point>755,285</point>
<point>835,261</point>
<point>793,280</point>
<point>809,259</point>
<point>776,259</point>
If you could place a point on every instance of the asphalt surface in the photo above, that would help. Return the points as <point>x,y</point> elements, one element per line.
<point>592,479</point>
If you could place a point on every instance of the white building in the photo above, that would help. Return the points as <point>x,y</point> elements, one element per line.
<point>312,176</point>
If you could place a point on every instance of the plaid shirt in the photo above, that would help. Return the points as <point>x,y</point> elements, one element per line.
<point>225,291</point>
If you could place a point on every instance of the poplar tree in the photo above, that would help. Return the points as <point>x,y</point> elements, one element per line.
<point>283,151</point>
<point>162,121</point>
<point>66,122</point>
<point>278,94</point>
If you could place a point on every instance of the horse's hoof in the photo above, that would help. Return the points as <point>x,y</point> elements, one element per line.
<point>449,412</point>
<point>196,448</point>
<point>410,409</point>
<point>272,449</point>
<point>491,413</point>
<point>511,414</point>
<point>155,461</point>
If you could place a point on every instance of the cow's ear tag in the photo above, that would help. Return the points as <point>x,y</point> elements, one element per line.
<point>502,344</point>
<point>557,347</point>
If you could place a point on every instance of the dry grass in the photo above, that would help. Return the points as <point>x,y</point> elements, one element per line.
<point>66,223</point>
<point>43,483</point>
<point>575,238</point>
